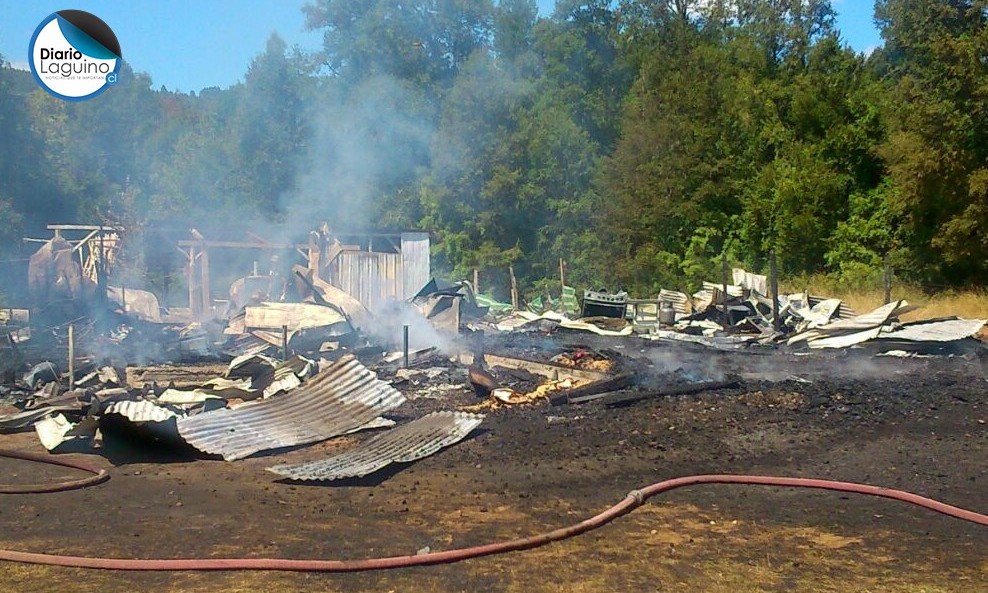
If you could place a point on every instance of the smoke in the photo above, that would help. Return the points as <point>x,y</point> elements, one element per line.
<point>687,363</point>
<point>388,330</point>
<point>367,142</point>
<point>772,365</point>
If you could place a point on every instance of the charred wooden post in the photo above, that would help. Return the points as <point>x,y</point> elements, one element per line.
<point>404,344</point>
<point>514,287</point>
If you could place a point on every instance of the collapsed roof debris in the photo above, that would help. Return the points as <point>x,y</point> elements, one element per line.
<point>935,330</point>
<point>24,420</point>
<point>292,358</point>
<point>409,442</point>
<point>339,399</point>
<point>849,332</point>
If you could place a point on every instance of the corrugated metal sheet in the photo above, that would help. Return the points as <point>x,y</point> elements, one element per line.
<point>843,312</point>
<point>415,440</point>
<point>371,278</point>
<point>339,399</point>
<point>844,333</point>
<point>285,380</point>
<point>140,411</point>
<point>943,330</point>
<point>24,420</point>
<point>821,313</point>
<point>415,267</point>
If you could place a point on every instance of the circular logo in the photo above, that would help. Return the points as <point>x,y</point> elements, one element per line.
<point>74,55</point>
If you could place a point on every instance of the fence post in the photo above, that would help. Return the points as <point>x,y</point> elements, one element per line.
<point>514,287</point>
<point>888,280</point>
<point>476,281</point>
<point>723,271</point>
<point>774,272</point>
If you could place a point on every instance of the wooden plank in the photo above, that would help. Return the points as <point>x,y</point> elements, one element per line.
<point>33,240</point>
<point>84,227</point>
<point>85,240</point>
<point>595,390</point>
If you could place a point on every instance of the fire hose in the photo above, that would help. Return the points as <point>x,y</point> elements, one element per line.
<point>633,500</point>
<point>98,476</point>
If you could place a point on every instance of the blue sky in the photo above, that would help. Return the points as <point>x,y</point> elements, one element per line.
<point>189,45</point>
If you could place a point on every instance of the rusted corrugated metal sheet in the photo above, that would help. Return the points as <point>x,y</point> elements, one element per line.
<point>371,278</point>
<point>415,440</point>
<point>340,399</point>
<point>140,411</point>
<point>415,268</point>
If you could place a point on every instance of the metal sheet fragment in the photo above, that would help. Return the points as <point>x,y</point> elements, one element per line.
<point>849,332</point>
<point>409,442</point>
<point>341,398</point>
<point>54,431</point>
<point>140,411</point>
<point>24,420</point>
<point>943,330</point>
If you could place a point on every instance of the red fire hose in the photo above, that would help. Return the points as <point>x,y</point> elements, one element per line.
<point>98,476</point>
<point>634,500</point>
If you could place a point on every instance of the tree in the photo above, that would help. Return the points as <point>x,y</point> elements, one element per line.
<point>514,21</point>
<point>269,129</point>
<point>425,41</point>
<point>937,146</point>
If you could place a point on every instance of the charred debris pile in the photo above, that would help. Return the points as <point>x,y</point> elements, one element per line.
<point>356,336</point>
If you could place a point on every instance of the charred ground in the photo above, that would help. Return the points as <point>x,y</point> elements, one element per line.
<point>917,424</point>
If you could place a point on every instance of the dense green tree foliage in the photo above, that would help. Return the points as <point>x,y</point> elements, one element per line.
<point>641,141</point>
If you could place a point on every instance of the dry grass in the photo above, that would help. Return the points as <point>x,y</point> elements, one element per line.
<point>967,304</point>
<point>662,547</point>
